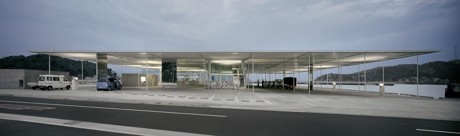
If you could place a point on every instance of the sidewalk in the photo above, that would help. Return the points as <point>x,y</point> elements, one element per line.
<point>323,101</point>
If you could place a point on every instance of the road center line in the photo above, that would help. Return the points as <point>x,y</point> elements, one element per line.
<point>93,126</point>
<point>121,109</point>
<point>438,131</point>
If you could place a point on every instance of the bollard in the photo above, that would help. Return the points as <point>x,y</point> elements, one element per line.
<point>334,85</point>
<point>381,88</point>
<point>73,85</point>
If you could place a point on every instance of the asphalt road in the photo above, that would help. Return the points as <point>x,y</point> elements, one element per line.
<point>209,121</point>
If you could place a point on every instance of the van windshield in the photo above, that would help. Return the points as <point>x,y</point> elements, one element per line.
<point>41,78</point>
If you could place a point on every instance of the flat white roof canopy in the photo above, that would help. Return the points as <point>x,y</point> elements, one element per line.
<point>268,61</point>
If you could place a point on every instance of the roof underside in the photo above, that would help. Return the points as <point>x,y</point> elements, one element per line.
<point>267,61</point>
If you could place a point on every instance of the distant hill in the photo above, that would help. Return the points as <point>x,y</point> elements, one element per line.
<point>40,62</point>
<point>437,72</point>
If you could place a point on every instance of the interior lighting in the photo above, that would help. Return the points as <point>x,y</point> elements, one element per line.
<point>226,62</point>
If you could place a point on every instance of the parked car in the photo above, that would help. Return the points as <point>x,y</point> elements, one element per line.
<point>278,83</point>
<point>51,82</point>
<point>108,84</point>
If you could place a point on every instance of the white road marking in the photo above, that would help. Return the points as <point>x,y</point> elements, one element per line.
<point>94,126</point>
<point>263,99</point>
<point>300,102</point>
<point>211,97</point>
<point>121,109</point>
<point>438,131</point>
<point>236,98</point>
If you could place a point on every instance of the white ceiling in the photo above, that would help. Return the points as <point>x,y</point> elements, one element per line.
<point>268,61</point>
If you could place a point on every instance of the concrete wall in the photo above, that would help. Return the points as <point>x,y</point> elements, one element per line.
<point>10,78</point>
<point>134,80</point>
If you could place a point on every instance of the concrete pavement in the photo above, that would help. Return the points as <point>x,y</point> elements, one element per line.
<point>323,101</point>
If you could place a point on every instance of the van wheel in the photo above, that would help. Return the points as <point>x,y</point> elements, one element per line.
<point>108,88</point>
<point>50,88</point>
<point>67,87</point>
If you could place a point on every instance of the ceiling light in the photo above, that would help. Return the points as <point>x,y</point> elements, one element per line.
<point>226,62</point>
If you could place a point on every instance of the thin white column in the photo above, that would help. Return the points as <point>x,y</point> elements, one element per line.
<point>359,78</point>
<point>308,73</point>
<point>138,76</point>
<point>160,76</point>
<point>338,72</point>
<point>252,71</point>
<point>383,73</point>
<point>146,79</point>
<point>82,77</point>
<point>321,71</point>
<point>121,73</point>
<point>284,75</point>
<point>294,82</point>
<point>97,71</point>
<point>209,75</point>
<point>49,64</point>
<point>205,83</point>
<point>417,74</point>
<point>365,75</point>
<point>312,70</point>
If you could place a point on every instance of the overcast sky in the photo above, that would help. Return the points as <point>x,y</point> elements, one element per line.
<point>211,25</point>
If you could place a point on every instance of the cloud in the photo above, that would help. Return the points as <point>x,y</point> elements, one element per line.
<point>227,25</point>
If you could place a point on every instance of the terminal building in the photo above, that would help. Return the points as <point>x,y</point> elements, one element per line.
<point>226,69</point>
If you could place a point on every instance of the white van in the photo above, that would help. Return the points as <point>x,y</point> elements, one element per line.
<point>51,82</point>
